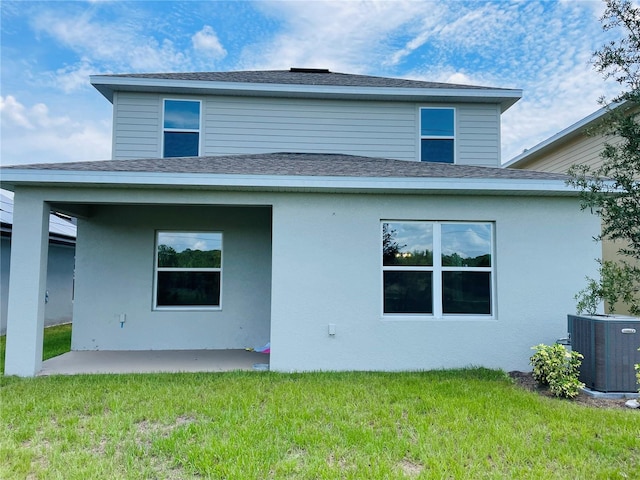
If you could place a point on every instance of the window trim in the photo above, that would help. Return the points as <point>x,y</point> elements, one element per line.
<point>180,130</point>
<point>438,137</point>
<point>437,269</point>
<point>156,269</point>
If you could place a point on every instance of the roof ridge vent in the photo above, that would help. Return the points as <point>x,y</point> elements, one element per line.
<point>309,70</point>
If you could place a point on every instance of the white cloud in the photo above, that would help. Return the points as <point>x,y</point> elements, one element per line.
<point>559,90</point>
<point>344,36</point>
<point>206,41</point>
<point>542,48</point>
<point>466,240</point>
<point>482,25</point>
<point>106,46</point>
<point>35,135</point>
<point>14,113</point>
<point>71,78</point>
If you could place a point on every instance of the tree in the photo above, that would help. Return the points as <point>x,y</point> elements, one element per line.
<point>390,247</point>
<point>613,189</point>
<point>167,256</point>
<point>621,58</point>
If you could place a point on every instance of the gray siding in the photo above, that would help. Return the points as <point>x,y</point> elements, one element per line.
<point>136,125</point>
<point>478,135</point>
<point>234,125</point>
<point>258,125</point>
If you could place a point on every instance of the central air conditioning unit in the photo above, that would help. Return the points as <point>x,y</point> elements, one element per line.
<point>609,345</point>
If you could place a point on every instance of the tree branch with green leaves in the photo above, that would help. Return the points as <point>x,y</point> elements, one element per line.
<point>612,190</point>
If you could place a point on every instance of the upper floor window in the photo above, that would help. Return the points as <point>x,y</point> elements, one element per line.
<point>437,135</point>
<point>181,128</point>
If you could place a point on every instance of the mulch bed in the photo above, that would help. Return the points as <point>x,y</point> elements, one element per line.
<point>525,380</point>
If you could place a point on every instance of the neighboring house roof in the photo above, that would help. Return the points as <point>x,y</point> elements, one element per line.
<point>579,128</point>
<point>61,228</point>
<point>308,83</point>
<point>290,171</point>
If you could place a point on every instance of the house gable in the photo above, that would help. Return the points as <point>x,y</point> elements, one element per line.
<point>262,112</point>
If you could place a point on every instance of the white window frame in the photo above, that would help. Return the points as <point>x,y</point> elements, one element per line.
<point>181,130</point>
<point>157,269</point>
<point>437,270</point>
<point>438,137</point>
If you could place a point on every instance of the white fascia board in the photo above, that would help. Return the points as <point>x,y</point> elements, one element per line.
<point>477,186</point>
<point>106,85</point>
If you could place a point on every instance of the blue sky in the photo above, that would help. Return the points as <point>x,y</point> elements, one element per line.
<point>50,112</point>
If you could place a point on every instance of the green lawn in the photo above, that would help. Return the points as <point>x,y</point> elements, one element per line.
<point>57,340</point>
<point>258,425</point>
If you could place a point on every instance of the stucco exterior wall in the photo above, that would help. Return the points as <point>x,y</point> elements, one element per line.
<point>5,262</point>
<point>293,263</point>
<point>115,275</point>
<point>327,270</point>
<point>60,264</point>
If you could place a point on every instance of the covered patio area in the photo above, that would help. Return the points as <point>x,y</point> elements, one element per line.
<point>153,361</point>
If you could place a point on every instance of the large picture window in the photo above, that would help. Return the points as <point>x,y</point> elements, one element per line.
<point>188,269</point>
<point>181,128</point>
<point>437,268</point>
<point>437,135</point>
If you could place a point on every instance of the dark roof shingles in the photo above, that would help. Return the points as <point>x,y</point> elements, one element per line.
<point>297,164</point>
<point>286,77</point>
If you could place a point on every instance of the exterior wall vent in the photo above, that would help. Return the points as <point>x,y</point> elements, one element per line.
<point>610,348</point>
<point>309,70</point>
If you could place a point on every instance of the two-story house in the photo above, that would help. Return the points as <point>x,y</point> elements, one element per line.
<point>354,222</point>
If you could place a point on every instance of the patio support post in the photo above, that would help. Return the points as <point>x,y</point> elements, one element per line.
<point>27,285</point>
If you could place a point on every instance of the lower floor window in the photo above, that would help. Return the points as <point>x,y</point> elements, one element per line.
<point>466,292</point>
<point>408,292</point>
<point>188,269</point>
<point>437,268</point>
<point>188,288</point>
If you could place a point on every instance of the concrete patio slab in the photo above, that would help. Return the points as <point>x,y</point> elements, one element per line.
<point>153,361</point>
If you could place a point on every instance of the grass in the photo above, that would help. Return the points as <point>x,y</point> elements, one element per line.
<point>57,340</point>
<point>472,423</point>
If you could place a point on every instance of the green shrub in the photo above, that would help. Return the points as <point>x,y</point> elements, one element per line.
<point>557,368</point>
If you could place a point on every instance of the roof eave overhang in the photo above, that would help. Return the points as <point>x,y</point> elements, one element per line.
<point>107,85</point>
<point>285,183</point>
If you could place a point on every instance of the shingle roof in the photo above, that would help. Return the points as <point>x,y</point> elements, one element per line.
<point>299,77</point>
<point>297,164</point>
<point>302,83</point>
<point>58,227</point>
